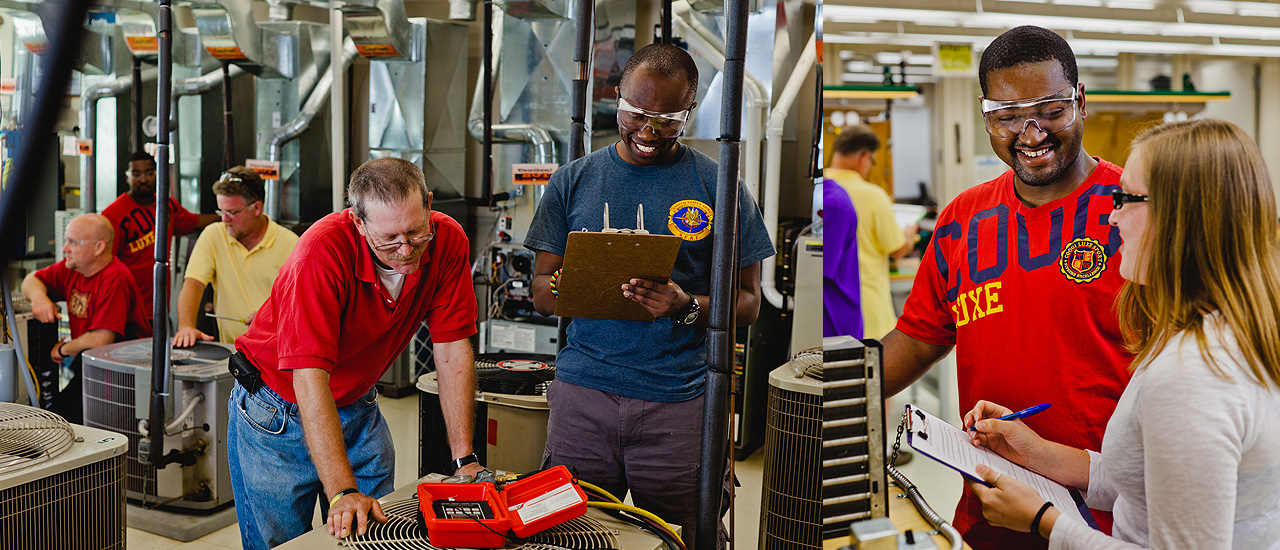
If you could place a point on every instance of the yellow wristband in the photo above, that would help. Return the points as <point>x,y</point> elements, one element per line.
<point>341,494</point>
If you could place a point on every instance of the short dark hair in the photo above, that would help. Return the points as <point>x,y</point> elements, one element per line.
<point>142,155</point>
<point>856,139</point>
<point>388,180</point>
<point>1027,44</point>
<point>246,183</point>
<point>664,59</point>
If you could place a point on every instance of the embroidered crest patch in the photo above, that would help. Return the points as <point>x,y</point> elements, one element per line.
<point>1083,260</point>
<point>690,219</point>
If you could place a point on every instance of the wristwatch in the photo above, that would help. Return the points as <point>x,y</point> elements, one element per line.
<point>458,463</point>
<point>689,314</point>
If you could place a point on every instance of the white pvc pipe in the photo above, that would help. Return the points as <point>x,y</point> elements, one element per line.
<point>337,109</point>
<point>773,162</point>
<point>757,103</point>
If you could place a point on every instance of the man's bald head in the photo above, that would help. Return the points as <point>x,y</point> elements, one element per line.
<point>96,227</point>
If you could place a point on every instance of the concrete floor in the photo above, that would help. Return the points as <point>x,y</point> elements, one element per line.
<point>402,416</point>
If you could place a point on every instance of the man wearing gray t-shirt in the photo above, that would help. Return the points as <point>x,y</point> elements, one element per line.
<point>626,407</point>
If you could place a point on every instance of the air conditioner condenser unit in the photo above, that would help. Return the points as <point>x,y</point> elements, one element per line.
<point>117,383</point>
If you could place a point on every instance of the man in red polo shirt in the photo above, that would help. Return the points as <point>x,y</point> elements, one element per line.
<point>355,290</point>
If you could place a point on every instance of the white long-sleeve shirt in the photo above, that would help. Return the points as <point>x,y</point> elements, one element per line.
<point>1190,460</point>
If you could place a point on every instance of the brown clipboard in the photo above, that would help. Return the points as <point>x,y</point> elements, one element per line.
<point>596,265</point>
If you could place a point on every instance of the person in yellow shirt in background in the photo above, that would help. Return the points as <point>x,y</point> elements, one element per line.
<point>240,256</point>
<point>879,235</point>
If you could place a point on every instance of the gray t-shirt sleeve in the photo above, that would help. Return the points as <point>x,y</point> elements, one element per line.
<point>549,229</point>
<point>754,242</point>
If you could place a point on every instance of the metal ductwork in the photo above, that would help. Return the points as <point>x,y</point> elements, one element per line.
<point>295,127</point>
<point>380,29</point>
<point>229,32</point>
<point>89,104</point>
<point>538,137</point>
<point>535,9</point>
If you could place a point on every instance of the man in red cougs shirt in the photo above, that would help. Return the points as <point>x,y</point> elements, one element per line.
<point>133,215</point>
<point>355,290</point>
<point>102,300</point>
<point>1023,270</point>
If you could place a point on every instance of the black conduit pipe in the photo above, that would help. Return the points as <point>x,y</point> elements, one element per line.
<point>151,449</point>
<point>582,56</point>
<point>486,176</point>
<point>63,21</point>
<point>228,143</point>
<point>136,105</point>
<point>724,284</point>
<point>584,18</point>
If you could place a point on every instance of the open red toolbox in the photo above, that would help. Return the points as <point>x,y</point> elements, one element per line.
<point>475,515</point>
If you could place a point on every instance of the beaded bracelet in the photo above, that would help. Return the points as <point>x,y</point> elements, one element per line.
<point>555,277</point>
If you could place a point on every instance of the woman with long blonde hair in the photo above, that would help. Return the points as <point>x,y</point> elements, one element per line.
<point>1191,456</point>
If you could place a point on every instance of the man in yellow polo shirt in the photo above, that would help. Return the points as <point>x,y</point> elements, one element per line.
<point>240,256</point>
<point>879,235</point>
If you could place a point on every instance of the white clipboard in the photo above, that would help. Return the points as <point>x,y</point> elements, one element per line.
<point>935,438</point>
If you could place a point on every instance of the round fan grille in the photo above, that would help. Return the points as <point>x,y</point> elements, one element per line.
<point>139,354</point>
<point>400,532</point>
<point>31,436</point>
<point>515,373</point>
<point>808,363</point>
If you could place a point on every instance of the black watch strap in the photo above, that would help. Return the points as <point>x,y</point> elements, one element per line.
<point>458,463</point>
<point>689,313</point>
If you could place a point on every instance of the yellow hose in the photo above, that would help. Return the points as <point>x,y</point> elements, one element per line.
<point>600,491</point>
<point>634,510</point>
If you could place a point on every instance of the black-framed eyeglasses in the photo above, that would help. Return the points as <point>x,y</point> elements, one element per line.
<point>414,242</point>
<point>1120,198</point>
<point>233,213</point>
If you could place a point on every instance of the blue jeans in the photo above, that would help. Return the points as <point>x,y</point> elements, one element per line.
<point>275,483</point>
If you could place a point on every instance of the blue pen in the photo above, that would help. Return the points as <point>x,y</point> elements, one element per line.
<point>1022,413</point>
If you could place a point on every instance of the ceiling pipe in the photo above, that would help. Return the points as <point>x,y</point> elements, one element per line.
<point>722,325</point>
<point>89,104</point>
<point>756,99</point>
<point>773,165</point>
<point>297,125</point>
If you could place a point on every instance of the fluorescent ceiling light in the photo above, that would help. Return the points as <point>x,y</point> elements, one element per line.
<point>1131,5</point>
<point>1081,47</point>
<point>1083,24</point>
<point>1086,3</point>
<point>1259,12</point>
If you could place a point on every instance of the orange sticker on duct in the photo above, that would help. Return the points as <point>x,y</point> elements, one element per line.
<point>266,169</point>
<point>226,52</point>
<point>377,50</point>
<point>143,44</point>
<point>37,47</point>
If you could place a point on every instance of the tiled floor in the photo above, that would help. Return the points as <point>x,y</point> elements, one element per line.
<point>402,416</point>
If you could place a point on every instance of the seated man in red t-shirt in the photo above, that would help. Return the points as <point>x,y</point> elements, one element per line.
<point>102,299</point>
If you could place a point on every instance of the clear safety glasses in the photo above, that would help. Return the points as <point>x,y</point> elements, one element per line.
<point>1051,113</point>
<point>666,125</point>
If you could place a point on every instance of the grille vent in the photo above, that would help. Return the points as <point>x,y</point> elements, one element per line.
<point>791,504</point>
<point>109,404</point>
<point>853,439</point>
<point>53,483</point>
<point>401,532</point>
<point>31,436</point>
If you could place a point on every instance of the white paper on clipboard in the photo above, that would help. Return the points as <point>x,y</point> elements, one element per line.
<point>939,440</point>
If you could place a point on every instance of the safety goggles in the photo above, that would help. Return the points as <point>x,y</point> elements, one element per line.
<point>667,125</point>
<point>1051,113</point>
